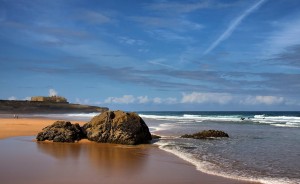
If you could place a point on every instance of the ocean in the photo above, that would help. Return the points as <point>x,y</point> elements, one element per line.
<point>262,146</point>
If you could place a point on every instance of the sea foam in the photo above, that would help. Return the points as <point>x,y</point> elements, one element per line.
<point>280,121</point>
<point>210,168</point>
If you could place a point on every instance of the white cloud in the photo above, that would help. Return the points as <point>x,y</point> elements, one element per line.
<point>125,99</point>
<point>130,99</point>
<point>267,100</point>
<point>82,101</point>
<point>12,98</point>
<point>195,97</point>
<point>27,98</point>
<point>143,99</point>
<point>15,98</point>
<point>232,26</point>
<point>171,100</point>
<point>157,100</point>
<point>52,92</point>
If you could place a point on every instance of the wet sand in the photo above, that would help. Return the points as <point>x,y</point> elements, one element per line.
<point>26,161</point>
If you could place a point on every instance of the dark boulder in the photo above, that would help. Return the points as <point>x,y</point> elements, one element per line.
<point>61,131</point>
<point>118,127</point>
<point>206,134</point>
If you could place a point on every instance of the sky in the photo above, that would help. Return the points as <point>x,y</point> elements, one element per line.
<point>135,55</point>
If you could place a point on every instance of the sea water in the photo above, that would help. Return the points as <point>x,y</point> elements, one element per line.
<point>263,146</point>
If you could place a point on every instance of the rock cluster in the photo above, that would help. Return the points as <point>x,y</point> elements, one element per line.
<point>206,134</point>
<point>61,131</point>
<point>108,127</point>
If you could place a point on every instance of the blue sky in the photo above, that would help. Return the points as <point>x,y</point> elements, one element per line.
<point>153,55</point>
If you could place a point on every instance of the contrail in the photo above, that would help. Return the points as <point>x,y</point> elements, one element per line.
<point>233,25</point>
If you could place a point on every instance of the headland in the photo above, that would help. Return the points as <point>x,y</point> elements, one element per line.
<point>45,106</point>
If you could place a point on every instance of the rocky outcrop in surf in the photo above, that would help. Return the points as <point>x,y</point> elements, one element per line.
<point>118,127</point>
<point>109,127</point>
<point>206,134</point>
<point>61,131</point>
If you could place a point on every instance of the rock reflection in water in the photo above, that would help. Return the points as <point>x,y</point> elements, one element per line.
<point>60,150</point>
<point>104,157</point>
<point>23,161</point>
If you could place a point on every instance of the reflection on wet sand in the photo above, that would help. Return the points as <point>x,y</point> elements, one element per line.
<point>59,150</point>
<point>23,161</point>
<point>104,157</point>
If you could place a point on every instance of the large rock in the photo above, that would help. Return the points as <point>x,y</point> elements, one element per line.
<point>206,134</point>
<point>118,127</point>
<point>61,131</point>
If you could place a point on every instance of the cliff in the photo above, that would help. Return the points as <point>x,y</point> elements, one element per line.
<point>22,107</point>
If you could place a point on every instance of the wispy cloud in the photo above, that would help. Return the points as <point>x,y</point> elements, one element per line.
<point>266,100</point>
<point>176,23</point>
<point>196,97</point>
<point>131,41</point>
<point>178,7</point>
<point>290,57</point>
<point>163,78</point>
<point>153,21</point>
<point>233,25</point>
<point>125,99</point>
<point>130,99</point>
<point>167,35</point>
<point>285,36</point>
<point>160,62</point>
<point>93,17</point>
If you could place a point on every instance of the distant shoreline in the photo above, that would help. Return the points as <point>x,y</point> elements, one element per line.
<point>31,107</point>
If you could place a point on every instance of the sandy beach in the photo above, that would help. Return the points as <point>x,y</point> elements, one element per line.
<point>88,162</point>
<point>12,127</point>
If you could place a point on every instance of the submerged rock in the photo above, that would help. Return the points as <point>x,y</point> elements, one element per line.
<point>206,134</point>
<point>117,127</point>
<point>61,131</point>
<point>155,136</point>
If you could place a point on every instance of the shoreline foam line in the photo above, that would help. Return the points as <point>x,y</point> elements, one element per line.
<point>201,167</point>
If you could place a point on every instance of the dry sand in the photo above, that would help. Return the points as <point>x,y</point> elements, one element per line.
<point>11,127</point>
<point>87,162</point>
